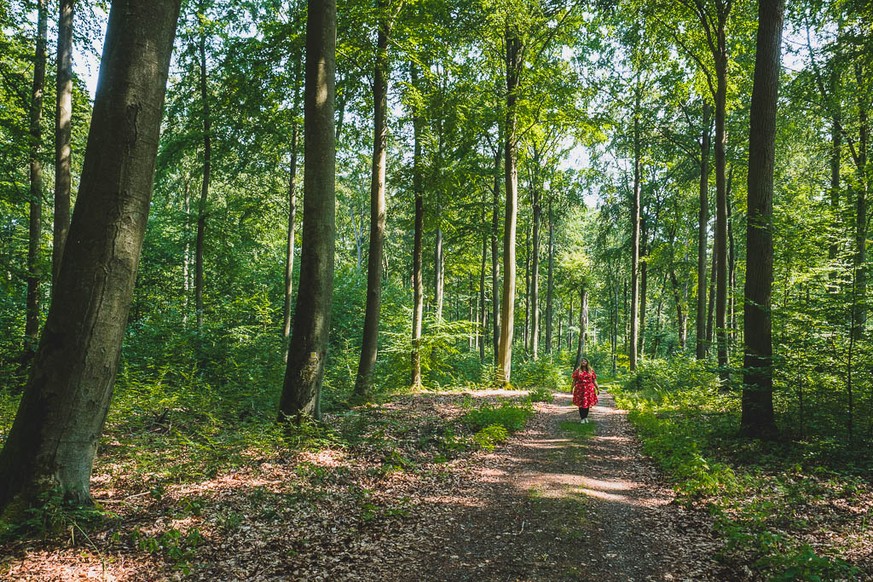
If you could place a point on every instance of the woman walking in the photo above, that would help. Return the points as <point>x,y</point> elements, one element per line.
<point>585,389</point>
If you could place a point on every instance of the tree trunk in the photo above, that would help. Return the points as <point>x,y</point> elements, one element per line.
<point>53,440</point>
<point>635,240</point>
<point>860,256</point>
<point>583,324</point>
<point>369,347</point>
<point>644,281</point>
<point>186,251</point>
<point>292,224</point>
<point>417,281</point>
<point>732,264</point>
<point>292,206</point>
<point>681,327</point>
<point>207,171</point>
<point>702,231</point>
<point>526,335</point>
<point>495,265</point>
<point>550,281</point>
<point>721,279</point>
<point>710,316</point>
<point>507,321</point>
<point>757,416</point>
<point>535,269</point>
<point>34,272</point>
<point>63,131</point>
<point>482,320</point>
<point>309,334</point>
<point>439,281</point>
<point>836,153</point>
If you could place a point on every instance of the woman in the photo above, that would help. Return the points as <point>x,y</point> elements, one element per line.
<point>585,389</point>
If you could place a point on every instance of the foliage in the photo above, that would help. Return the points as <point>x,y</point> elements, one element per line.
<point>490,436</point>
<point>509,415</point>
<point>766,497</point>
<point>541,395</point>
<point>544,373</point>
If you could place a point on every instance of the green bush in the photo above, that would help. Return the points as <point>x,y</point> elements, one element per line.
<point>664,376</point>
<point>509,415</point>
<point>491,436</point>
<point>544,372</point>
<point>541,395</point>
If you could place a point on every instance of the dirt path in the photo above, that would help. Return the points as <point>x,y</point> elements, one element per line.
<point>560,501</point>
<point>555,505</point>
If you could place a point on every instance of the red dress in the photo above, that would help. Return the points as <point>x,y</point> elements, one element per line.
<point>584,392</point>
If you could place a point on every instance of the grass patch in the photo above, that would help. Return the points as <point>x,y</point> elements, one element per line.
<point>579,430</point>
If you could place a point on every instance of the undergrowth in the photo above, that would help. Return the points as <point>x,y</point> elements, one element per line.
<point>784,507</point>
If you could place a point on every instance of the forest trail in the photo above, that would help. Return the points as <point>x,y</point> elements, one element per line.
<point>566,501</point>
<point>559,501</point>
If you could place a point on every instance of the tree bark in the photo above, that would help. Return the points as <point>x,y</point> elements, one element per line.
<point>439,281</point>
<point>482,319</point>
<point>526,334</point>
<point>550,281</point>
<point>370,344</point>
<point>681,317</point>
<point>644,282</point>
<point>417,280</point>
<point>54,437</point>
<point>292,227</point>
<point>635,240</point>
<point>860,256</point>
<point>34,272</point>
<point>583,324</point>
<point>309,334</point>
<point>207,170</point>
<point>757,416</point>
<point>495,265</point>
<point>507,321</point>
<point>535,267</point>
<point>721,279</point>
<point>63,132</point>
<point>702,232</point>
<point>292,204</point>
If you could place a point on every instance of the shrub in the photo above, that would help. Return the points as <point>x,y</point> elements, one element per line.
<point>510,416</point>
<point>491,436</point>
<point>541,395</point>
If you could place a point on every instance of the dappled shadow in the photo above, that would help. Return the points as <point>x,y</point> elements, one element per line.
<point>553,504</point>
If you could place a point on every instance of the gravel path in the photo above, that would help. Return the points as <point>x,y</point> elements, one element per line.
<point>555,505</point>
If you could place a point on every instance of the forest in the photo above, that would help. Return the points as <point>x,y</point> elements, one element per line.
<point>294,290</point>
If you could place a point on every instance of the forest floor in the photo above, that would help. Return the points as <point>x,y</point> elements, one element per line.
<point>393,493</point>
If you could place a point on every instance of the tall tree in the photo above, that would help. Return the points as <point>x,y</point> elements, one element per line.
<point>370,344</point>
<point>635,228</point>
<point>63,132</point>
<point>702,232</point>
<point>54,437</point>
<point>757,418</point>
<point>34,274</point>
<point>513,63</point>
<point>418,190</point>
<point>207,165</point>
<point>495,264</point>
<point>309,336</point>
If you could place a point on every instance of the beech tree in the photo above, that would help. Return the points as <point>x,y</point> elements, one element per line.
<point>758,419</point>
<point>309,336</point>
<point>54,437</point>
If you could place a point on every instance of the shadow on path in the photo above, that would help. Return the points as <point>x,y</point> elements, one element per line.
<point>556,504</point>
